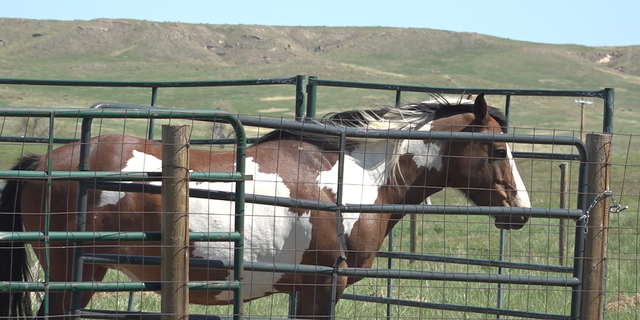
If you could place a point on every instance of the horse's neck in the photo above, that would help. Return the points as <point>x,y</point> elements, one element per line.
<point>397,183</point>
<point>400,178</point>
<point>374,159</point>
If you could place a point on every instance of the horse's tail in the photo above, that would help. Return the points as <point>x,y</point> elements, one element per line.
<point>14,265</point>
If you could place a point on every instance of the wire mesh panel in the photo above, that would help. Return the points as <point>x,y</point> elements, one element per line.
<point>311,183</point>
<point>424,282</point>
<point>623,282</point>
<point>71,221</point>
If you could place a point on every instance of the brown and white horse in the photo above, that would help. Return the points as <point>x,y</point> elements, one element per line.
<point>283,164</point>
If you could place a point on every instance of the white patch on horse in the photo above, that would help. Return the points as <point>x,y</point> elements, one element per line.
<point>139,162</point>
<point>272,234</point>
<point>110,197</point>
<point>365,169</point>
<point>522,197</point>
<point>424,155</point>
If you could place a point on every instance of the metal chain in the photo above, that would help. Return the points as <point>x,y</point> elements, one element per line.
<point>614,208</point>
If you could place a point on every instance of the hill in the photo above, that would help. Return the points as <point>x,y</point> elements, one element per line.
<point>149,51</point>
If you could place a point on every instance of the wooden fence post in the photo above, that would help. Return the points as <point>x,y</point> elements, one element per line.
<point>564,204</point>
<point>175,223</point>
<point>413,233</point>
<point>593,276</point>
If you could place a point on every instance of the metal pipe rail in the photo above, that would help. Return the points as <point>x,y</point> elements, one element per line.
<point>512,92</point>
<point>475,262</point>
<point>136,315</point>
<point>453,307</point>
<point>347,207</point>
<point>140,113</point>
<point>149,84</point>
<point>98,236</point>
<point>118,176</point>
<point>111,286</point>
<point>349,271</point>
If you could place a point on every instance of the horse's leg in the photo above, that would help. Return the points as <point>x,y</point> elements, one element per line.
<point>60,268</point>
<point>314,296</point>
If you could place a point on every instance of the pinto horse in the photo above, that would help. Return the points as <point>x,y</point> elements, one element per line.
<point>283,164</point>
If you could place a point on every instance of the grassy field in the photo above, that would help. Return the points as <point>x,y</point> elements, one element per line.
<point>111,50</point>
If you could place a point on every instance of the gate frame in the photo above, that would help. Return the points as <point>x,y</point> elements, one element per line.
<point>606,94</point>
<point>84,177</point>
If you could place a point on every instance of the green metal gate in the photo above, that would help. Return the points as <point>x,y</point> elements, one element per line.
<point>311,88</point>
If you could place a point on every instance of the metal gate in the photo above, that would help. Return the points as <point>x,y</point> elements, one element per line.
<point>577,215</point>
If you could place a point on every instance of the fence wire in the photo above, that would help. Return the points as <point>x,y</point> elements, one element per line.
<point>465,237</point>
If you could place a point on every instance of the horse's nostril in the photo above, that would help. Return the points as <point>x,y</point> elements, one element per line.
<point>518,222</point>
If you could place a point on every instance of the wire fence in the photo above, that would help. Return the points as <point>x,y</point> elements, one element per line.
<point>443,241</point>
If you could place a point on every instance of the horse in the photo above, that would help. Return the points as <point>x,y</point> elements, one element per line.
<point>284,164</point>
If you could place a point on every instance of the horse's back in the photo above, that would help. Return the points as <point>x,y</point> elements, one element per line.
<point>108,153</point>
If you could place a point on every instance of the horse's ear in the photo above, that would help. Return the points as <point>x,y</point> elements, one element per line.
<point>481,110</point>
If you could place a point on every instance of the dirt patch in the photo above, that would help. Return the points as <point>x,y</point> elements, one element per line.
<point>271,110</point>
<point>119,52</point>
<point>623,303</point>
<point>373,71</point>
<point>278,98</point>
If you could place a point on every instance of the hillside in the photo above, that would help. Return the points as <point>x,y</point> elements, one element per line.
<point>150,51</point>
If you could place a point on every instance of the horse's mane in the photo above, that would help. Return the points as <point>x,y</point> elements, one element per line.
<point>406,117</point>
<point>409,116</point>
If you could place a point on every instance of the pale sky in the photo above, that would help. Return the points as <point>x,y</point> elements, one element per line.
<point>585,22</point>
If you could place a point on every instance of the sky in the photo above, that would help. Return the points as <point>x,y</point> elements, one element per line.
<point>583,22</point>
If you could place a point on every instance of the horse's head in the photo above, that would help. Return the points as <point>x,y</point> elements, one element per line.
<point>484,171</point>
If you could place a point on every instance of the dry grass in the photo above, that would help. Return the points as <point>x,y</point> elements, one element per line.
<point>623,303</point>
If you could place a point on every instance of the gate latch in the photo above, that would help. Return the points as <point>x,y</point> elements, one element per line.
<point>615,207</point>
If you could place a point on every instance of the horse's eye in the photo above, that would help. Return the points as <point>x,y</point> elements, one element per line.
<point>500,153</point>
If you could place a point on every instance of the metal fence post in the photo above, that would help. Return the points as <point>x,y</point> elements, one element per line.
<point>312,91</point>
<point>300,95</point>
<point>607,126</point>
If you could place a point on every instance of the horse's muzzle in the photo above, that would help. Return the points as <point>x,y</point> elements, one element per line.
<point>511,223</point>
